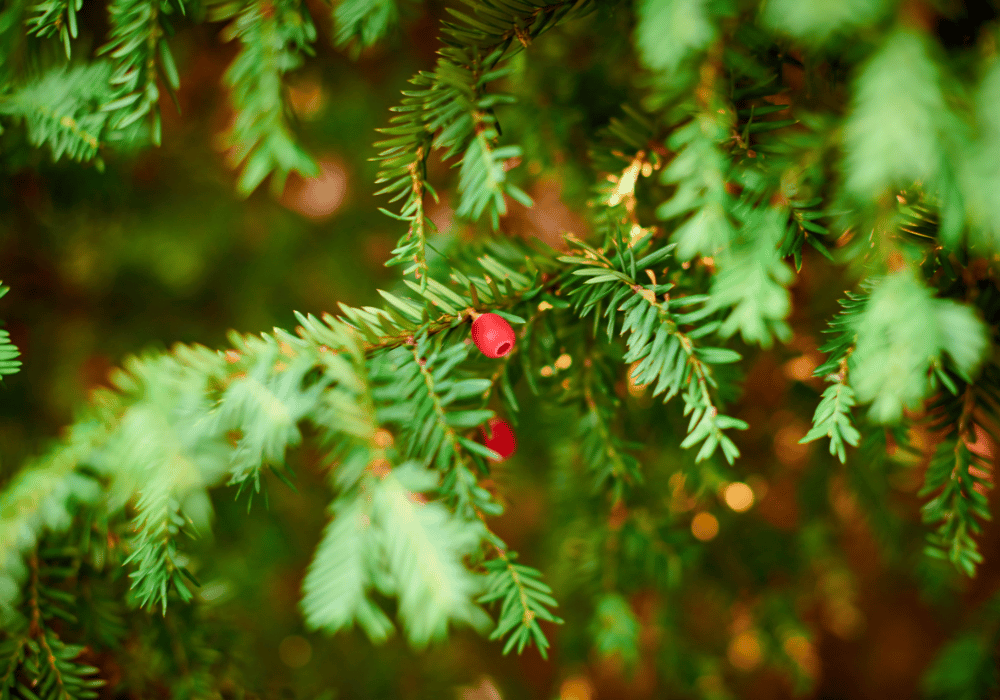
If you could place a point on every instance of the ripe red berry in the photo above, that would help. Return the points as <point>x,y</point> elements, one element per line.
<point>499,437</point>
<point>493,335</point>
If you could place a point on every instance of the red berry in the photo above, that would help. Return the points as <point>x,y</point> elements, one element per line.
<point>499,438</point>
<point>493,335</point>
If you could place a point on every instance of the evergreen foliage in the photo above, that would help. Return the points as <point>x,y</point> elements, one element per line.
<point>61,108</point>
<point>683,278</point>
<point>273,37</point>
<point>364,23</point>
<point>966,667</point>
<point>141,55</point>
<point>8,351</point>
<point>48,21</point>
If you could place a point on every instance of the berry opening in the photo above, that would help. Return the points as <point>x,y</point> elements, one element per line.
<point>503,348</point>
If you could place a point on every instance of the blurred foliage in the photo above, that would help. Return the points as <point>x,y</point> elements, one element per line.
<point>135,140</point>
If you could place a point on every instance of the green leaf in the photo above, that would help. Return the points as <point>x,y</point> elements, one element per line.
<point>169,67</point>
<point>506,315</point>
<point>468,419</point>
<point>479,449</point>
<point>717,356</point>
<point>465,389</point>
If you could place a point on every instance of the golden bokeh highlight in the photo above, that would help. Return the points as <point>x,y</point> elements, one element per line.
<point>704,526</point>
<point>739,496</point>
<point>294,651</point>
<point>744,651</point>
<point>576,688</point>
<point>546,371</point>
<point>383,438</point>
<point>563,361</point>
<point>801,368</point>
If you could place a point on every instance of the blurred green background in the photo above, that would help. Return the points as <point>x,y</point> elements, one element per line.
<point>157,249</point>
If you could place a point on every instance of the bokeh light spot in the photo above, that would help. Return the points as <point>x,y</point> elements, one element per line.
<point>739,497</point>
<point>383,438</point>
<point>744,651</point>
<point>704,526</point>
<point>801,368</point>
<point>576,688</point>
<point>317,197</point>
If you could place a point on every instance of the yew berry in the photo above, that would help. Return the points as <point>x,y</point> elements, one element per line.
<point>493,335</point>
<point>499,437</point>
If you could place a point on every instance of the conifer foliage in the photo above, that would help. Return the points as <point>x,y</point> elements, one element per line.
<point>705,188</point>
<point>8,351</point>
